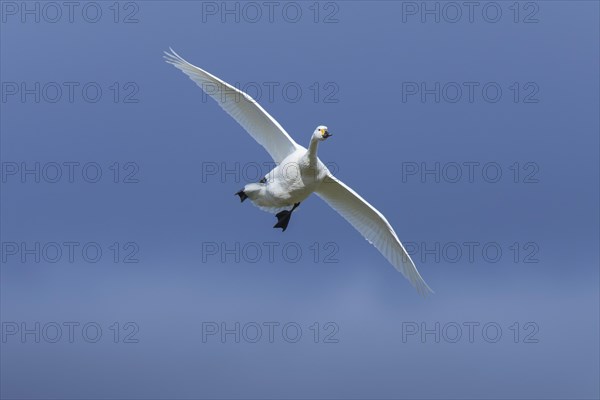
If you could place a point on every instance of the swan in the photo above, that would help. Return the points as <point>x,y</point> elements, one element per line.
<point>299,172</point>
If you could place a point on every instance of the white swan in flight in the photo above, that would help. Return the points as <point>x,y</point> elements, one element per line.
<point>300,172</point>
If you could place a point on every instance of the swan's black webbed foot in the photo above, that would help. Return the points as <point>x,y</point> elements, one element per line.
<point>263,180</point>
<point>243,196</point>
<point>283,218</point>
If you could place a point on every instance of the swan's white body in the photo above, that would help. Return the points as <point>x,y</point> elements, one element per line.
<point>299,172</point>
<point>297,176</point>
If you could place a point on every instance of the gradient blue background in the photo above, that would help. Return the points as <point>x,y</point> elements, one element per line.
<point>171,212</point>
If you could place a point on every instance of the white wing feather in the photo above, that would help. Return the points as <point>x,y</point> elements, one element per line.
<point>243,108</point>
<point>373,226</point>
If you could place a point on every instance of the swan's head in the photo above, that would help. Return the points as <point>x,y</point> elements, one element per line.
<point>321,133</point>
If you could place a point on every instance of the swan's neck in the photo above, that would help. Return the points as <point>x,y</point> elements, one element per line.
<point>312,151</point>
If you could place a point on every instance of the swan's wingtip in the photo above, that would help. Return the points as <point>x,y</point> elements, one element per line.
<point>423,288</point>
<point>172,55</point>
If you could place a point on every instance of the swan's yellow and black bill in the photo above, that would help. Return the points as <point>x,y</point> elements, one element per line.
<point>326,134</point>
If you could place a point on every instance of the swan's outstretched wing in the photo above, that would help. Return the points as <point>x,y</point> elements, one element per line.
<point>373,226</point>
<point>243,108</point>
